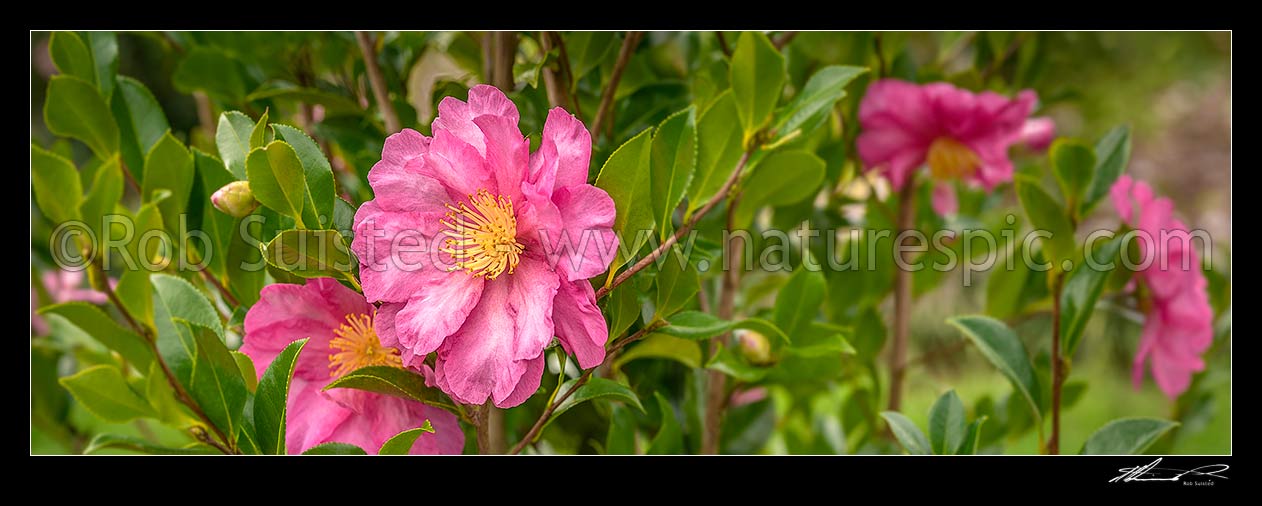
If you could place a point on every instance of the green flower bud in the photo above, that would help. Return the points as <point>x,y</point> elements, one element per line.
<point>754,347</point>
<point>235,199</point>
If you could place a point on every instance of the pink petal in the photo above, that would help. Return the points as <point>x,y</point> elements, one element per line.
<point>1037,133</point>
<point>456,117</point>
<point>310,417</point>
<point>579,325</point>
<point>507,153</point>
<point>585,244</point>
<point>944,200</point>
<point>435,312</point>
<point>1120,193</point>
<point>381,417</point>
<point>399,252</point>
<point>458,165</point>
<point>406,188</point>
<point>286,313</point>
<point>573,144</point>
<point>527,386</point>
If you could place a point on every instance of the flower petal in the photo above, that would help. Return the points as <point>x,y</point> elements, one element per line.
<point>435,312</point>
<point>507,153</point>
<point>286,313</point>
<point>527,385</point>
<point>573,145</point>
<point>944,199</point>
<point>579,325</point>
<point>585,244</point>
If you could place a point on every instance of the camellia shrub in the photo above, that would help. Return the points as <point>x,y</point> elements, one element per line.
<point>618,243</point>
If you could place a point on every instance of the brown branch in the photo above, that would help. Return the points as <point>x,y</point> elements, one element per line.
<point>503,51</point>
<point>1058,365</point>
<point>902,300</point>
<point>716,383</point>
<point>378,81</point>
<point>568,73</point>
<point>480,422</point>
<point>784,39</point>
<point>533,433</point>
<point>727,50</point>
<point>558,96</point>
<point>687,227</point>
<point>606,99</point>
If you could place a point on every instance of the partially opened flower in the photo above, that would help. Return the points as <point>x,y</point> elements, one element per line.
<point>1178,327</point>
<point>339,323</point>
<point>480,250</point>
<point>960,135</point>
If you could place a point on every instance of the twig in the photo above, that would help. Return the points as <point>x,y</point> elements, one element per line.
<point>480,422</point>
<point>784,39</point>
<point>880,56</point>
<point>378,82</point>
<point>533,433</point>
<point>716,383</point>
<point>570,89</point>
<point>902,300</point>
<point>606,99</point>
<point>558,96</point>
<point>503,49</point>
<point>1058,366</point>
<point>687,227</point>
<point>727,51</point>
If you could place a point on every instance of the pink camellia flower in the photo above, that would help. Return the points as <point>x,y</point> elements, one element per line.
<point>480,250</point>
<point>339,323</point>
<point>1178,327</point>
<point>957,133</point>
<point>63,286</point>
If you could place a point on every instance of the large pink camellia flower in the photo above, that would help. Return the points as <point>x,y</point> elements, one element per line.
<point>480,250</point>
<point>1178,327</point>
<point>339,323</point>
<point>957,133</point>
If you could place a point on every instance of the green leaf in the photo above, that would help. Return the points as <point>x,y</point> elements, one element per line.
<point>258,134</point>
<point>141,123</point>
<point>135,444</point>
<point>318,174</point>
<point>105,193</point>
<point>727,362</point>
<point>169,166</point>
<point>587,50</point>
<point>621,438</point>
<point>799,301</point>
<point>677,283</point>
<point>825,87</point>
<point>1005,286</point>
<point>625,177</point>
<point>135,292</point>
<point>101,327</point>
<point>783,177</point>
<point>335,449</point>
<point>392,381</point>
<point>718,150</point>
<point>401,443</point>
<point>1048,217</point>
<point>245,263</point>
<point>182,301</point>
<point>968,445</point>
<point>673,159</point>
<point>622,309</point>
<point>232,137</point>
<point>757,77</point>
<point>947,427</point>
<point>1005,351</point>
<point>219,226</point>
<point>699,325</point>
<point>334,104</point>
<point>656,345</point>
<point>56,184</point>
<point>72,56</point>
<point>245,365</point>
<point>73,108</point>
<point>1126,436</point>
<point>211,70</point>
<point>1112,153</point>
<point>1080,293</point>
<point>216,384</point>
<point>908,435</point>
<point>104,49</point>
<point>104,392</point>
<point>310,254</point>
<point>1072,163</point>
<point>670,438</point>
<point>278,181</point>
<point>270,399</point>
<point>596,388</point>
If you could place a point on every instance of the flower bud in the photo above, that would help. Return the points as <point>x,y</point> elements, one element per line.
<point>235,199</point>
<point>755,347</point>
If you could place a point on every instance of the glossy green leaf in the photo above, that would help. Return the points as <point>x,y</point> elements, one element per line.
<point>718,150</point>
<point>908,435</point>
<point>141,123</point>
<point>318,174</point>
<point>184,302</point>
<point>103,195</point>
<point>245,366</point>
<point>135,292</point>
<point>139,445</point>
<point>1126,436</point>
<point>71,56</point>
<point>217,385</point>
<point>825,87</point>
<point>799,301</point>
<point>621,438</point>
<point>597,388</point>
<point>392,381</point>
<point>270,399</point>
<point>586,50</point>
<point>278,181</point>
<point>73,108</point>
<point>219,226</point>
<point>1049,219</point>
<point>669,438</point>
<point>311,254</point>
<point>104,48</point>
<point>625,176</point>
<point>1080,293</point>
<point>401,443</point>
<point>169,166</point>
<point>1005,351</point>
<point>335,449</point>
<point>783,177</point>
<point>728,362</point>
<point>101,327</point>
<point>699,325</point>
<point>208,69</point>
<point>972,438</point>
<point>232,138</point>
<point>622,309</point>
<point>54,178</point>
<point>684,351</point>
<point>673,158</point>
<point>757,77</point>
<point>1112,153</point>
<point>104,392</point>
<point>1072,163</point>
<point>677,283</point>
<point>947,426</point>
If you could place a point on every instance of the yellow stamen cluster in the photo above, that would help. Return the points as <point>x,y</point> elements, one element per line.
<point>951,159</point>
<point>483,238</point>
<point>356,345</point>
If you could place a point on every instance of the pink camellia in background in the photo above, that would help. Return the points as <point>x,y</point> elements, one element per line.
<point>63,286</point>
<point>339,323</point>
<point>507,240</point>
<point>958,134</point>
<point>1178,327</point>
